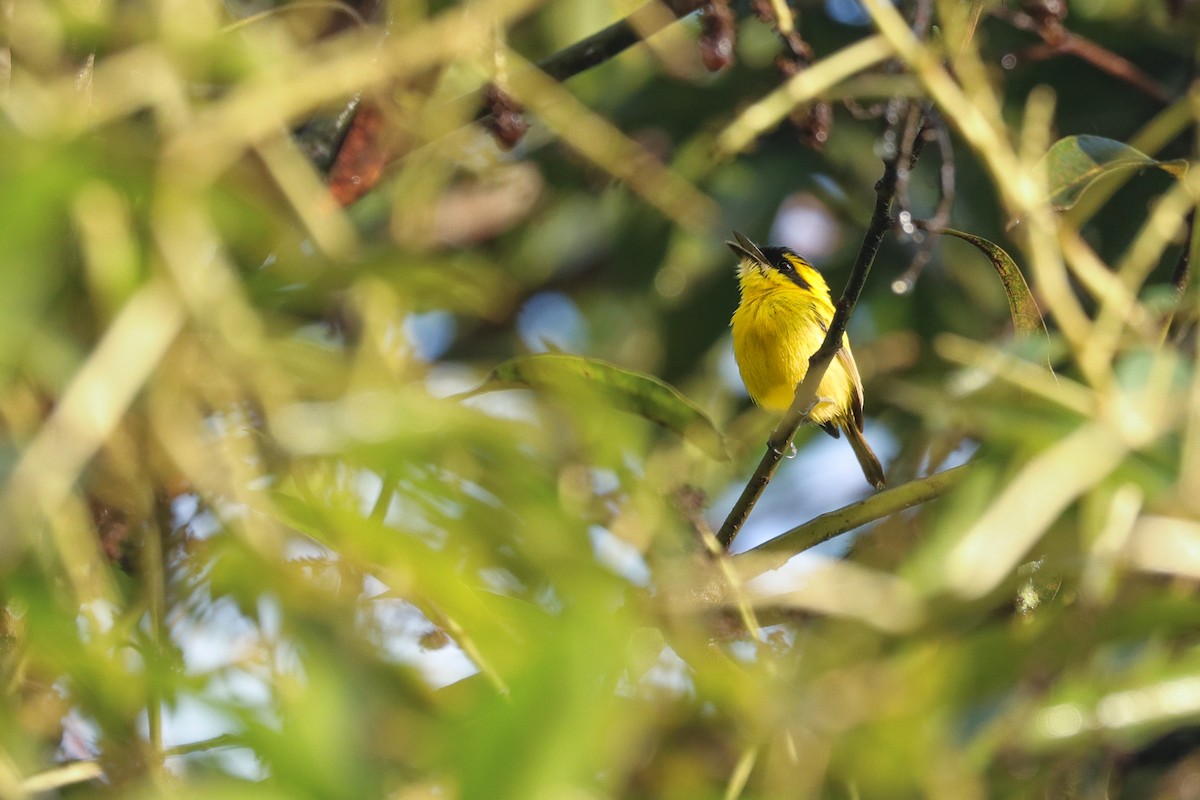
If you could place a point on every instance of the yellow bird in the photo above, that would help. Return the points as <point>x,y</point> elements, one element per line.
<point>782,319</point>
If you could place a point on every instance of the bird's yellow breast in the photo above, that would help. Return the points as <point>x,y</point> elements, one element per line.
<point>777,327</point>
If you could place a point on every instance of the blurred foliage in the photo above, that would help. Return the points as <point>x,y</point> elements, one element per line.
<point>260,538</point>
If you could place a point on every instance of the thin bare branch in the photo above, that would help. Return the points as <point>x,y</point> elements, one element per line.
<point>613,40</point>
<point>806,392</point>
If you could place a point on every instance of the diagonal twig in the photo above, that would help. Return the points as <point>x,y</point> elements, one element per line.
<point>329,137</point>
<point>806,391</point>
<point>1058,40</point>
<point>613,40</point>
<point>834,523</point>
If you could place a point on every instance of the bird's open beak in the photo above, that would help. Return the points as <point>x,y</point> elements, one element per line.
<point>744,248</point>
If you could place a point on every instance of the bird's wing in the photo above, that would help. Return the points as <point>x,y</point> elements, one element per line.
<point>846,358</point>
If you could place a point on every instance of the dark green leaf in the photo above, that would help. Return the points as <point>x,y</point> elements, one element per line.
<point>1075,162</point>
<point>1026,317</point>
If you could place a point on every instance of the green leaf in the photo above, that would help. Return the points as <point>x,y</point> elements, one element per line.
<point>640,394</point>
<point>1075,162</point>
<point>1026,317</point>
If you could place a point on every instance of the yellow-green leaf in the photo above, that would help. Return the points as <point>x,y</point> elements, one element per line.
<point>1026,316</point>
<point>1073,163</point>
<point>640,394</point>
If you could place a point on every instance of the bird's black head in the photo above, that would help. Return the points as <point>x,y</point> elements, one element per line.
<point>782,259</point>
<point>789,264</point>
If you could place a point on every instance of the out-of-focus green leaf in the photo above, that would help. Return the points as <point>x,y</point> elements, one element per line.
<point>1026,317</point>
<point>634,392</point>
<point>1073,163</point>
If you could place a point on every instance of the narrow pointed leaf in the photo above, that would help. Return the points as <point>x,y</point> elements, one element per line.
<point>640,394</point>
<point>1026,317</point>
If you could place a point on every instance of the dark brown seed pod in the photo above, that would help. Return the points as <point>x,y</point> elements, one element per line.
<point>507,118</point>
<point>718,34</point>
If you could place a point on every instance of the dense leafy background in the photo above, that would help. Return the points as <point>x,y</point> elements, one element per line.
<point>256,540</point>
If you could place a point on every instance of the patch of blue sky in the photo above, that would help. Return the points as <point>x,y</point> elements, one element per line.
<point>550,321</point>
<point>430,333</point>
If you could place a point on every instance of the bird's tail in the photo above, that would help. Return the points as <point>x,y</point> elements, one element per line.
<point>867,459</point>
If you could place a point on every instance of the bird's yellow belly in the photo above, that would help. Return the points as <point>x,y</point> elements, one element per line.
<point>772,344</point>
